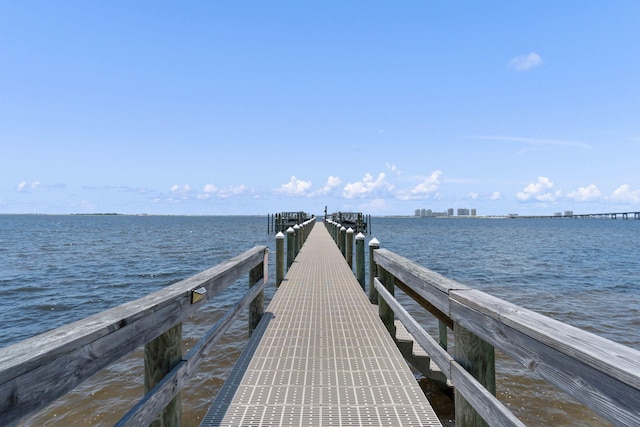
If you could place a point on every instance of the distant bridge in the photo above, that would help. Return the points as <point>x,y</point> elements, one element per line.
<point>609,215</point>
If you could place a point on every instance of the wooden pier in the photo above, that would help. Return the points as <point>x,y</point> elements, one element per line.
<point>323,356</point>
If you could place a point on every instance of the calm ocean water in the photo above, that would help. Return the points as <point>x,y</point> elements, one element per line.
<point>57,269</point>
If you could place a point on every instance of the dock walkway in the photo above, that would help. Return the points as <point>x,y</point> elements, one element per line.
<point>321,356</point>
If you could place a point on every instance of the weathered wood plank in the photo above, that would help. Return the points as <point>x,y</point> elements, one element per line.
<point>38,370</point>
<point>43,384</point>
<point>424,303</point>
<point>615,359</point>
<point>25,355</point>
<point>600,373</point>
<point>145,411</point>
<point>428,284</point>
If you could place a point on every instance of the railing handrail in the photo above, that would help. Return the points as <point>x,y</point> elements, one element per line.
<point>39,370</point>
<point>600,373</point>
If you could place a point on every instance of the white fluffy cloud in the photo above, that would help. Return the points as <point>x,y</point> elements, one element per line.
<point>626,195</point>
<point>232,190</point>
<point>585,194</point>
<point>25,186</point>
<point>493,196</point>
<point>210,190</point>
<point>393,168</point>
<point>332,183</point>
<point>180,189</point>
<point>367,186</point>
<point>295,187</point>
<point>539,190</point>
<point>429,187</point>
<point>526,62</point>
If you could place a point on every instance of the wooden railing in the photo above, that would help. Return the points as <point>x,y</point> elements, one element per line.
<point>39,370</point>
<point>600,373</point>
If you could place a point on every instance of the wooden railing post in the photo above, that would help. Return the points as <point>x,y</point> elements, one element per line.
<point>442,334</point>
<point>386,313</point>
<point>343,241</point>
<point>349,247</point>
<point>478,358</point>
<point>360,259</point>
<point>290,247</point>
<point>373,293</point>
<point>160,356</point>
<point>279,258</point>
<point>256,308</point>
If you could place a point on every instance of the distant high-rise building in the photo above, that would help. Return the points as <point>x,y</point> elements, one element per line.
<point>463,212</point>
<point>450,212</point>
<point>473,212</point>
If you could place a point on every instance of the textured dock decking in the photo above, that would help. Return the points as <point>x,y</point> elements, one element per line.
<point>321,356</point>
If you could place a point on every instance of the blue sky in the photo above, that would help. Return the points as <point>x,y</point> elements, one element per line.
<point>259,107</point>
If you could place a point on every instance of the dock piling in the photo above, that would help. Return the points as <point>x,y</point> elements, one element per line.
<point>349,247</point>
<point>296,238</point>
<point>373,293</point>
<point>161,355</point>
<point>290,247</point>
<point>478,358</point>
<point>279,258</point>
<point>360,259</point>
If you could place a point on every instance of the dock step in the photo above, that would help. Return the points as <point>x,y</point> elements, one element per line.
<point>416,356</point>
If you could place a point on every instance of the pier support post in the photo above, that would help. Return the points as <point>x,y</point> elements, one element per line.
<point>442,334</point>
<point>161,355</point>
<point>478,358</point>
<point>343,241</point>
<point>373,293</point>
<point>290,248</point>
<point>349,247</point>
<point>279,258</point>
<point>256,307</point>
<point>360,259</point>
<point>386,313</point>
<point>296,238</point>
